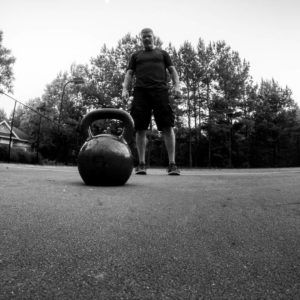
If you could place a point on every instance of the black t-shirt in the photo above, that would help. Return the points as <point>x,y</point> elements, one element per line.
<point>149,67</point>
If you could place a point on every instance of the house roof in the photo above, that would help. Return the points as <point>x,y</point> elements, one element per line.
<point>17,133</point>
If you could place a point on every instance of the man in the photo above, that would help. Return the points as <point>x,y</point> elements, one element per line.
<point>151,95</point>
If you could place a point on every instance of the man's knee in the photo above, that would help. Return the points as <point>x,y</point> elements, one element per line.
<point>141,134</point>
<point>168,131</point>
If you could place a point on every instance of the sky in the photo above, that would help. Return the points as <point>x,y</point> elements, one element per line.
<point>47,36</point>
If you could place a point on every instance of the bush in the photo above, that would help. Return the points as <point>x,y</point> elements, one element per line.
<point>3,152</point>
<point>48,162</point>
<point>18,155</point>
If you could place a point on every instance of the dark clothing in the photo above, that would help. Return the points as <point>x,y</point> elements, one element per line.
<point>151,89</point>
<point>147,100</point>
<point>149,67</point>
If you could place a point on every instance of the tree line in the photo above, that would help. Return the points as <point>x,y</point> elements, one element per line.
<point>223,118</point>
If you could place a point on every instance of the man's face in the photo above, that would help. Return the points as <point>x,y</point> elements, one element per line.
<point>147,39</point>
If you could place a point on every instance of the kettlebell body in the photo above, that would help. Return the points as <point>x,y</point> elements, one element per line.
<point>105,159</point>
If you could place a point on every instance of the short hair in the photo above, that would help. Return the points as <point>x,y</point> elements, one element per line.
<point>146,30</point>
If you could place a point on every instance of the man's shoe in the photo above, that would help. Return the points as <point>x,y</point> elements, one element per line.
<point>141,169</point>
<point>173,170</point>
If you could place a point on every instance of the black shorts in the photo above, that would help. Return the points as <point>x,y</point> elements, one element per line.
<point>145,102</point>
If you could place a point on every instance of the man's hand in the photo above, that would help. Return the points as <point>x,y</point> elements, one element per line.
<point>129,103</point>
<point>126,84</point>
<point>125,94</point>
<point>177,92</point>
<point>176,82</point>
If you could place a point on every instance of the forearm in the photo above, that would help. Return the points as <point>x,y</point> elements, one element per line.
<point>127,80</point>
<point>174,77</point>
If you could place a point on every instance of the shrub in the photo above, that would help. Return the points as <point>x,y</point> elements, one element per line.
<point>3,152</point>
<point>18,155</point>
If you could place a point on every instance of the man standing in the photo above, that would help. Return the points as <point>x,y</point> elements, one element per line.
<point>151,95</point>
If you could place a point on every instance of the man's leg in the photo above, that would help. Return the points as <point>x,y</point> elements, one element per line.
<point>169,139</point>
<point>141,142</point>
<point>164,118</point>
<point>141,114</point>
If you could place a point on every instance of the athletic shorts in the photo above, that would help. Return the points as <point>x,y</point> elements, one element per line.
<point>146,101</point>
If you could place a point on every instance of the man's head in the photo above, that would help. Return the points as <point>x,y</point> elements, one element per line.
<point>147,38</point>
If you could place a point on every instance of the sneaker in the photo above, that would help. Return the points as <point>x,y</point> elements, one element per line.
<point>141,169</point>
<point>173,170</point>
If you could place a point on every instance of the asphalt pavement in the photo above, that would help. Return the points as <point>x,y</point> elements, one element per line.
<point>207,234</point>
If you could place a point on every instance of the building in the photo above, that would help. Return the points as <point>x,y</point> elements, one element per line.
<point>19,138</point>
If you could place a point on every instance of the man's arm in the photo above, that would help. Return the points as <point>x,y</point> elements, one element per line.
<point>126,83</point>
<point>175,79</point>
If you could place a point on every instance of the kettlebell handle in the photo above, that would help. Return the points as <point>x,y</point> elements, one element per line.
<point>108,113</point>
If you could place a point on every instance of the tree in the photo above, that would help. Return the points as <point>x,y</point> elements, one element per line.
<point>244,130</point>
<point>188,70</point>
<point>232,74</point>
<point>107,73</point>
<point>275,117</point>
<point>222,120</point>
<point>6,71</point>
<point>71,108</point>
<point>2,114</point>
<point>177,104</point>
<point>207,61</point>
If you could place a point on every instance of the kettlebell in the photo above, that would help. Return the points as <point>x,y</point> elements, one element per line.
<point>106,159</point>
